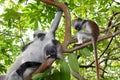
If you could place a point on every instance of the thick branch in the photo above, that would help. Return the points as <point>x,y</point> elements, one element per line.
<point>42,68</point>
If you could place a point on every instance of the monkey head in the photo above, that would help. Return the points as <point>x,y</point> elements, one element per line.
<point>51,46</point>
<point>48,45</point>
<point>77,24</point>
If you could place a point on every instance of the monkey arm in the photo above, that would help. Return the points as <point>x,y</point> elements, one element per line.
<point>55,22</point>
<point>64,8</point>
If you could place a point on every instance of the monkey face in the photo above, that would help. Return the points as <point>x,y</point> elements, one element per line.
<point>77,24</point>
<point>50,46</point>
<point>53,51</point>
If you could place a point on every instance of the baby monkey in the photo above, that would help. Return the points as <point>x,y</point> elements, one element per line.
<point>87,30</point>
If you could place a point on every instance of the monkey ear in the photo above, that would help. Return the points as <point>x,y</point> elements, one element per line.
<point>79,19</point>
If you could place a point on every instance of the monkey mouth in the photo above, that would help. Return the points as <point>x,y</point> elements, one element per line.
<point>51,56</point>
<point>50,52</point>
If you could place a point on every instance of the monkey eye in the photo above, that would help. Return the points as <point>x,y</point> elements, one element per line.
<point>40,35</point>
<point>77,27</point>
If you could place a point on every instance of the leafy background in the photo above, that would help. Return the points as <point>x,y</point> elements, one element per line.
<point>20,18</point>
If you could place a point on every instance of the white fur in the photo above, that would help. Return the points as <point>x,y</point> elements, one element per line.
<point>13,76</point>
<point>87,28</point>
<point>34,52</point>
<point>84,33</point>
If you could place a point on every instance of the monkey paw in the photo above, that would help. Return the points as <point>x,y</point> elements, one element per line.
<point>76,45</point>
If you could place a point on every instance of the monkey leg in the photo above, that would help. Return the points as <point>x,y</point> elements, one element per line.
<point>80,40</point>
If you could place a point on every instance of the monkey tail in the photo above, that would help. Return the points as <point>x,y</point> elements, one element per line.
<point>94,40</point>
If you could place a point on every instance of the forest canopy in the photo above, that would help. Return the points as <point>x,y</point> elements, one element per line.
<point>20,18</point>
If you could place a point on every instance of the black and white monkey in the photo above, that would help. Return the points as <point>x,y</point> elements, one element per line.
<point>43,48</point>
<point>87,30</point>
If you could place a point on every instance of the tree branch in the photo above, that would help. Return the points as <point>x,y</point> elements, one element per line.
<point>110,23</point>
<point>90,42</point>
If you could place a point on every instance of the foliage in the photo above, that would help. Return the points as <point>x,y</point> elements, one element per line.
<point>20,18</point>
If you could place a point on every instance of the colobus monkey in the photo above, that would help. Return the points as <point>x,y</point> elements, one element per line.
<point>43,48</point>
<point>87,30</point>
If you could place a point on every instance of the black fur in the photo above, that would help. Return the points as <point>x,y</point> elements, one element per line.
<point>55,42</point>
<point>25,66</point>
<point>25,47</point>
<point>79,19</point>
<point>41,36</point>
<point>84,21</point>
<point>79,26</point>
<point>52,50</point>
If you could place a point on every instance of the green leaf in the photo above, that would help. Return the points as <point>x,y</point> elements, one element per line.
<point>43,75</point>
<point>38,76</point>
<point>85,52</point>
<point>20,1</point>
<point>56,75</point>
<point>65,71</point>
<point>73,62</point>
<point>36,25</point>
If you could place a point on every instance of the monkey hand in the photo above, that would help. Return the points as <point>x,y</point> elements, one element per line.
<point>76,45</point>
